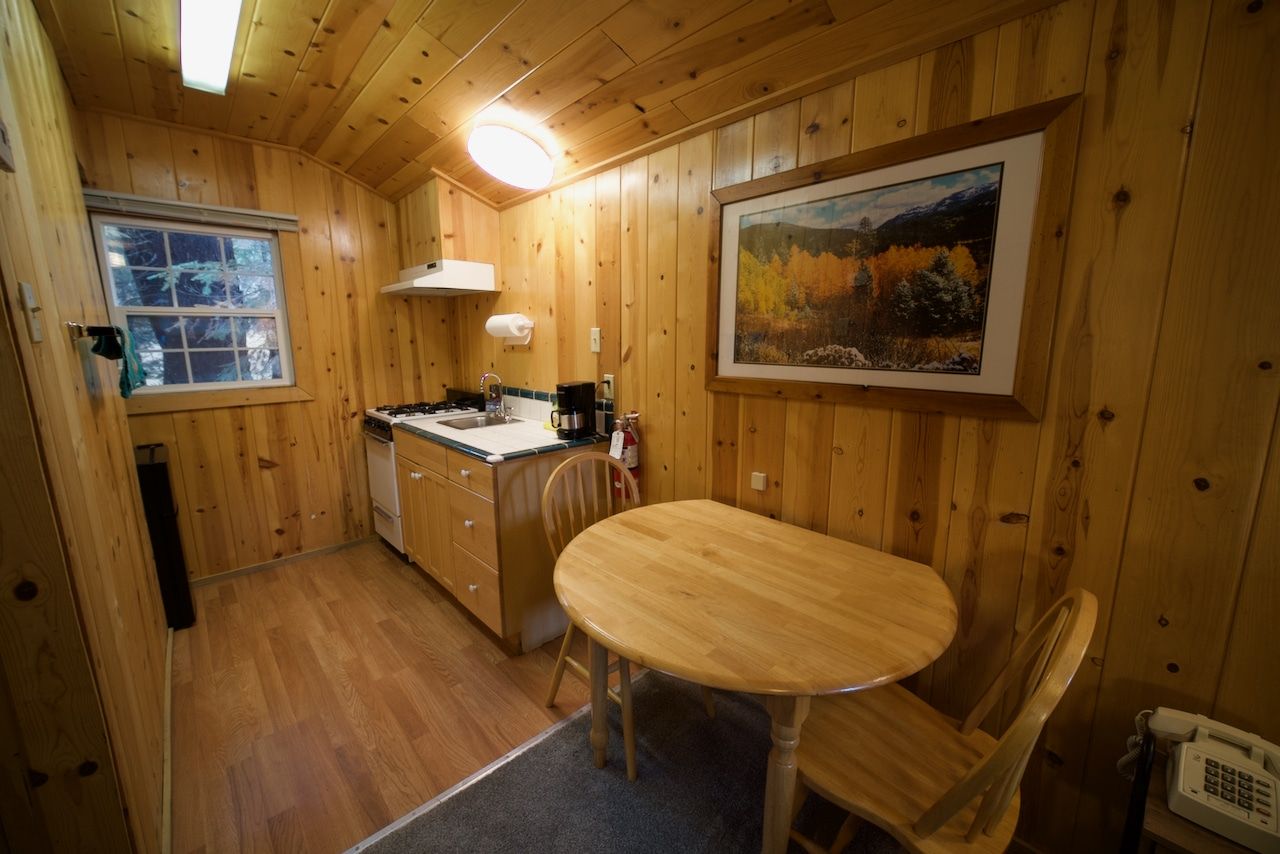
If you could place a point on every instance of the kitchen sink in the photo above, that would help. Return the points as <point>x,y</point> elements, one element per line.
<point>470,422</point>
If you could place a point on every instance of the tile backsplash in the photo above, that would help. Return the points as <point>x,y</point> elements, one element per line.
<point>535,404</point>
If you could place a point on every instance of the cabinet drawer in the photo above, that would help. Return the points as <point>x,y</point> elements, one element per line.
<point>422,451</point>
<point>472,523</point>
<point>478,588</point>
<point>471,473</point>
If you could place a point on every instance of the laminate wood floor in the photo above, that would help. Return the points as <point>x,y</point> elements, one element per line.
<point>318,701</point>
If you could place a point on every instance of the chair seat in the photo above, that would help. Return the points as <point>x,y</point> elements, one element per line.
<point>887,756</point>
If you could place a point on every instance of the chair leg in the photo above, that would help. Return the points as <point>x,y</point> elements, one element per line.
<point>558,673</point>
<point>628,717</point>
<point>708,700</point>
<point>846,833</point>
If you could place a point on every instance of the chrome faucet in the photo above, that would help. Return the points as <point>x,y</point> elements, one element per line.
<point>493,394</point>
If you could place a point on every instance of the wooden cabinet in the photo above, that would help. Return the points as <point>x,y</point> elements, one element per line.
<point>424,513</point>
<point>441,219</point>
<point>477,528</point>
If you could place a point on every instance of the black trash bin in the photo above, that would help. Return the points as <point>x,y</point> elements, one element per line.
<point>162,523</point>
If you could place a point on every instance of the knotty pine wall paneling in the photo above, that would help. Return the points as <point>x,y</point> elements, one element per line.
<point>83,639</point>
<point>1011,514</point>
<point>264,481</point>
<point>1211,415</point>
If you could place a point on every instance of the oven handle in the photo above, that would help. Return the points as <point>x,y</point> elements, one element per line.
<point>378,439</point>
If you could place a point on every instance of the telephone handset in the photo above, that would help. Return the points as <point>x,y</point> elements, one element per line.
<point>1221,777</point>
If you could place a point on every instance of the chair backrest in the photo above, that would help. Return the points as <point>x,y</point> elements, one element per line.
<point>583,490</point>
<point>1041,668</point>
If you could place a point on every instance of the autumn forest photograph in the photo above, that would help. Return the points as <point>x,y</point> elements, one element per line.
<point>891,278</point>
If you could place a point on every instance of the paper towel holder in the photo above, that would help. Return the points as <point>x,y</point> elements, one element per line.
<point>513,329</point>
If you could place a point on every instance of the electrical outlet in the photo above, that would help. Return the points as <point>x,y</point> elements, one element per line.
<point>595,339</point>
<point>758,481</point>
<point>608,386</point>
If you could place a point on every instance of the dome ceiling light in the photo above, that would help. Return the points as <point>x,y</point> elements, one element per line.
<point>510,155</point>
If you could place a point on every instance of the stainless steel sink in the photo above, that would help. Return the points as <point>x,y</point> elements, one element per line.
<point>470,422</point>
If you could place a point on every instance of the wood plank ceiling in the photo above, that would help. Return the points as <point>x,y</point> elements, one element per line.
<point>385,90</point>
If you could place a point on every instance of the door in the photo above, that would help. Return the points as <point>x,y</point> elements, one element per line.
<point>413,510</point>
<point>381,457</point>
<point>440,550</point>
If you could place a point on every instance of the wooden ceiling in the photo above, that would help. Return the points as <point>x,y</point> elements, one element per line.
<point>385,90</point>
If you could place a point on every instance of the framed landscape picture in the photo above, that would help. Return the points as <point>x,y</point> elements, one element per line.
<point>921,274</point>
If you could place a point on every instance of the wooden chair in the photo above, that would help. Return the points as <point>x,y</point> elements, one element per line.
<point>886,756</point>
<point>579,493</point>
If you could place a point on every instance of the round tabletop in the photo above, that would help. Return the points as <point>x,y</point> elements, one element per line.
<point>734,600</point>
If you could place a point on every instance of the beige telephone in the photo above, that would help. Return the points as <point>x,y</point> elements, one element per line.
<point>1222,778</point>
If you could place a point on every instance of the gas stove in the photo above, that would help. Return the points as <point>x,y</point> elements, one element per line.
<point>378,421</point>
<point>413,410</point>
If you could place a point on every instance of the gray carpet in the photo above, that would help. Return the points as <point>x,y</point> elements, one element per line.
<point>700,788</point>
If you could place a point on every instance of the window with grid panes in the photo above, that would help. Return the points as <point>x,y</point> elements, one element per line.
<point>204,305</point>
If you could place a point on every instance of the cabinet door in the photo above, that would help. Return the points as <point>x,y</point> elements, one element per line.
<point>439,551</point>
<point>413,518</point>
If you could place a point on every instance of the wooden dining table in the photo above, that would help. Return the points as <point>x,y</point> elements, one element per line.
<point>730,599</point>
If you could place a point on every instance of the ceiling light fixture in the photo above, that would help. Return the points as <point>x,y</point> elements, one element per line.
<point>510,155</point>
<point>208,41</point>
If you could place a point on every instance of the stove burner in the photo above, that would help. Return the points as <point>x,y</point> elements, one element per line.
<point>407,410</point>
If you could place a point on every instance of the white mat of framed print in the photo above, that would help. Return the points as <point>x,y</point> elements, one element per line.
<point>909,276</point>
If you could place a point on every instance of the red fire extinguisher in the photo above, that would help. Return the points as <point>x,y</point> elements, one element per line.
<point>625,447</point>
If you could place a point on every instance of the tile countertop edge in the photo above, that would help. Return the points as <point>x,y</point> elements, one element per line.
<point>486,456</point>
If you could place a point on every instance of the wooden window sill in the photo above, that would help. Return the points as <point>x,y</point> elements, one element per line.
<point>184,401</point>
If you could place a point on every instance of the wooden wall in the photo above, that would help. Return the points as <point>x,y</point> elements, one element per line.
<point>78,598</point>
<point>272,479</point>
<point>1143,482</point>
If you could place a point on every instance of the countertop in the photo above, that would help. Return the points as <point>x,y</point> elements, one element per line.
<point>523,437</point>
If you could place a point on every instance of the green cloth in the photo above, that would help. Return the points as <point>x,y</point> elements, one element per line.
<point>120,347</point>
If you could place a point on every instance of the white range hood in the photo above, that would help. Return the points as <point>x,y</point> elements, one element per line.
<point>445,278</point>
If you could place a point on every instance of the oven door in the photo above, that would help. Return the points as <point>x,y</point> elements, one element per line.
<point>381,457</point>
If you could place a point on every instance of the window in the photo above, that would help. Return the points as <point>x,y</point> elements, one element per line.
<point>203,304</point>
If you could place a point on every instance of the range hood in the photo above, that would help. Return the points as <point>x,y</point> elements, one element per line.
<point>445,278</point>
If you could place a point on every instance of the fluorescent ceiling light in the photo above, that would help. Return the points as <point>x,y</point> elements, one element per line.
<point>208,40</point>
<point>510,156</point>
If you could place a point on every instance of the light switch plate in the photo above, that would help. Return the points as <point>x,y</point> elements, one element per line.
<point>32,309</point>
<point>758,481</point>
<point>595,339</point>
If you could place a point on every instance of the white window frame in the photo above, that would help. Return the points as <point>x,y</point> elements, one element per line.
<point>120,313</point>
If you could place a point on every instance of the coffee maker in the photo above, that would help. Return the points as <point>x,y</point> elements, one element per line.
<point>575,414</point>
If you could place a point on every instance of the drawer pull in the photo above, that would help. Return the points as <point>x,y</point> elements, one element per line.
<point>469,523</point>
<point>473,587</point>
<point>465,472</point>
<point>415,475</point>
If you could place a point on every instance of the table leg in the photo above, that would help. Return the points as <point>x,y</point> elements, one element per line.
<point>598,665</point>
<point>788,714</point>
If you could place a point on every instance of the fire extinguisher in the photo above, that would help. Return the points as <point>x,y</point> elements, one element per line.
<point>625,447</point>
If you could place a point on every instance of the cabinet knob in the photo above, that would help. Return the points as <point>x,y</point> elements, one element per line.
<point>473,587</point>
<point>415,475</point>
<point>465,472</point>
<point>470,523</point>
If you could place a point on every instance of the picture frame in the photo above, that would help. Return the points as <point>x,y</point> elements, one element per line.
<point>920,275</point>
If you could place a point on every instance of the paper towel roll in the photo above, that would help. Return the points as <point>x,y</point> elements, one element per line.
<point>515,328</point>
